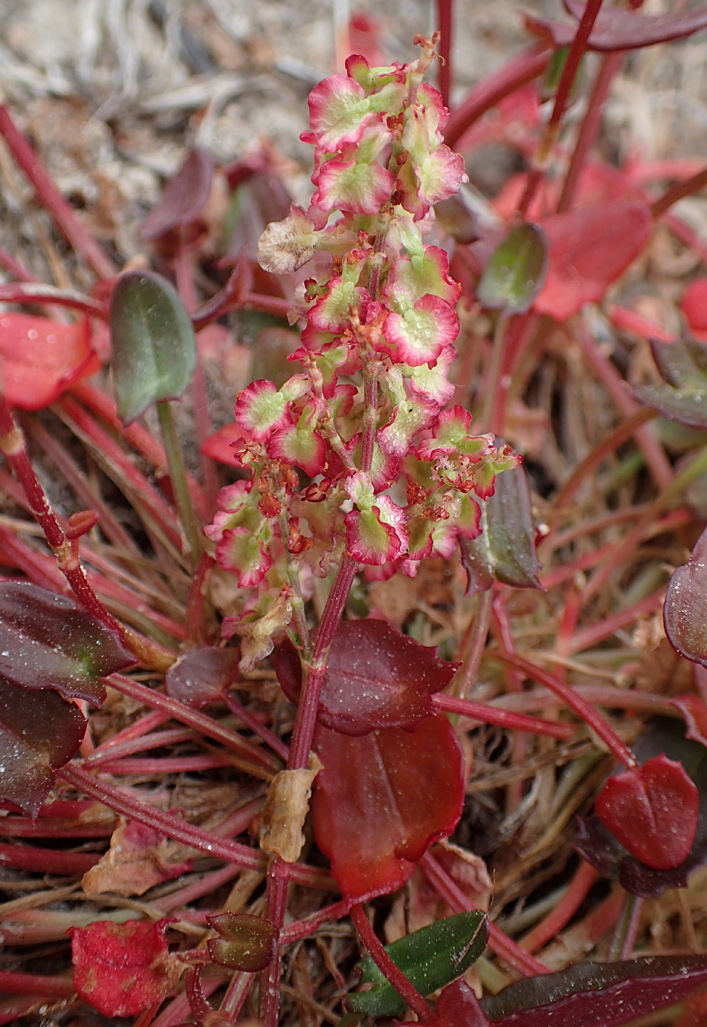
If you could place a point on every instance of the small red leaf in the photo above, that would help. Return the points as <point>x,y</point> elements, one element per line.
<point>201,676</point>
<point>183,199</point>
<point>695,713</point>
<point>590,247</point>
<point>40,359</point>
<point>375,677</point>
<point>382,799</point>
<point>652,810</point>
<point>123,969</point>
<point>39,732</point>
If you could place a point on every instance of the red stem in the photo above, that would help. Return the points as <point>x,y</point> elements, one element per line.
<point>581,707</point>
<point>444,24</point>
<point>488,715</point>
<point>51,199</point>
<point>575,894</point>
<point>36,985</point>
<point>678,191</point>
<point>387,967</point>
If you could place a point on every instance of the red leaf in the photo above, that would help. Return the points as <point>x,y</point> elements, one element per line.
<point>183,199</point>
<point>652,810</point>
<point>123,969</point>
<point>695,713</point>
<point>456,1005</point>
<point>694,307</point>
<point>590,247</point>
<point>39,732</point>
<point>616,29</point>
<point>41,359</point>
<point>201,676</point>
<point>382,799</point>
<point>375,677</point>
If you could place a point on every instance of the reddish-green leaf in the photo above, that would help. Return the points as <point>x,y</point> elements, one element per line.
<point>685,609</point>
<point>516,271</point>
<point>154,349</point>
<point>590,247</point>
<point>201,675</point>
<point>245,942</point>
<point>618,29</point>
<point>683,364</point>
<point>505,548</point>
<point>430,958</point>
<point>183,199</point>
<point>375,677</point>
<point>39,732</point>
<point>597,994</point>
<point>46,642</point>
<point>652,810</point>
<point>40,359</point>
<point>382,798</point>
<point>123,969</point>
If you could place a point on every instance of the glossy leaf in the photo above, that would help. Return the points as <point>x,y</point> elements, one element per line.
<point>375,677</point>
<point>40,359</point>
<point>652,810</point>
<point>46,642</point>
<point>516,271</point>
<point>685,609</point>
<point>590,247</point>
<point>123,969</point>
<point>618,29</point>
<point>154,349</point>
<point>184,198</point>
<point>201,676</point>
<point>505,549</point>
<point>683,364</point>
<point>382,799</point>
<point>597,994</point>
<point>245,942</point>
<point>457,1006</point>
<point>39,732</point>
<point>430,958</point>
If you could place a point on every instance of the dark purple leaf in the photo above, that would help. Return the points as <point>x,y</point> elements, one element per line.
<point>201,676</point>
<point>617,29</point>
<point>685,609</point>
<point>375,677</point>
<point>382,799</point>
<point>597,994</point>
<point>184,198</point>
<point>39,732</point>
<point>46,642</point>
<point>505,549</point>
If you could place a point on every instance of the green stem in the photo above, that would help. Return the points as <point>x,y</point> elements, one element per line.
<point>493,379</point>
<point>180,486</point>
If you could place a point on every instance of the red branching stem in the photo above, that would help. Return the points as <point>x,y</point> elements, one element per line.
<point>12,445</point>
<point>488,715</point>
<point>47,861</point>
<point>589,130</point>
<point>252,722</point>
<point>247,755</point>
<point>51,199</point>
<point>299,929</point>
<point>678,191</point>
<point>276,909</point>
<point>444,24</point>
<point>31,294</point>
<point>561,914</point>
<point>473,644</point>
<point>491,90</point>
<point>569,72</point>
<point>581,707</point>
<point>207,884</point>
<point>385,964</point>
<point>500,943</point>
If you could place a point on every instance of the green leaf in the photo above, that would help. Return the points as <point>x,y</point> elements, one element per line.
<point>505,549</point>
<point>154,349</point>
<point>683,365</point>
<point>516,271</point>
<point>430,958</point>
<point>46,642</point>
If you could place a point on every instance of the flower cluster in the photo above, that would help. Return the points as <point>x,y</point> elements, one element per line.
<point>357,455</point>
